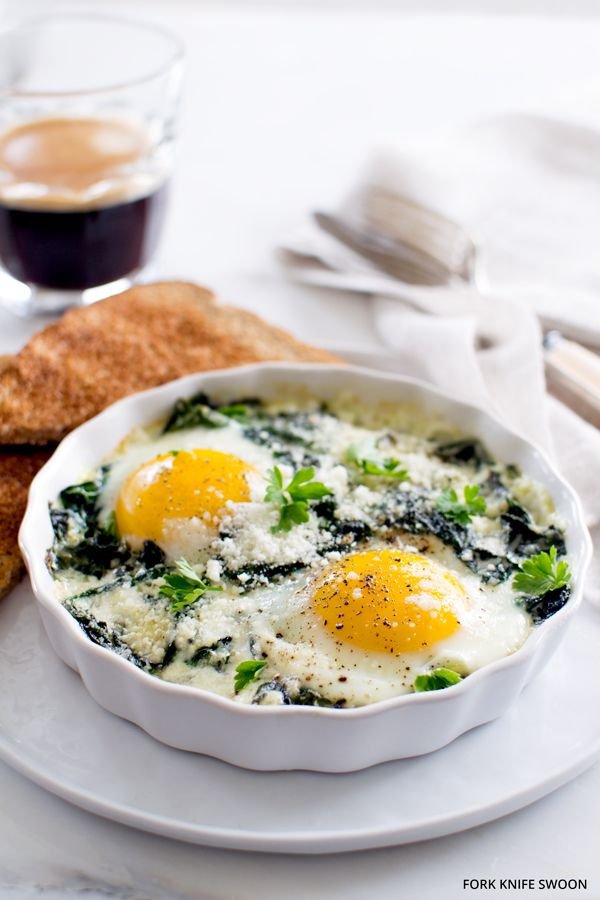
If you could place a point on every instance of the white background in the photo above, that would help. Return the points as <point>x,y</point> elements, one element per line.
<point>284,102</point>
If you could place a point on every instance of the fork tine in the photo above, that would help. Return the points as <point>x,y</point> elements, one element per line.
<point>401,219</point>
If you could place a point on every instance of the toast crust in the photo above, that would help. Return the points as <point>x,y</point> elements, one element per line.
<point>17,469</point>
<point>146,336</point>
<point>94,355</point>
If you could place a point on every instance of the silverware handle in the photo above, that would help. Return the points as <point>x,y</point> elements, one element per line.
<point>573,374</point>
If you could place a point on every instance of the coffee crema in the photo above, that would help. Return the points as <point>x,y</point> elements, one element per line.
<point>69,162</point>
<point>80,205</point>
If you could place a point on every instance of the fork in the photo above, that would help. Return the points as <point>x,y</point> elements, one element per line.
<point>408,241</point>
<point>421,247</point>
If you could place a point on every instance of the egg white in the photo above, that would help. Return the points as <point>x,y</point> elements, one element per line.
<point>275,620</point>
<point>184,537</point>
<point>491,627</point>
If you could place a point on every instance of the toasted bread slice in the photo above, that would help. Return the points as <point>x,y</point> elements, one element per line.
<point>143,337</point>
<point>17,468</point>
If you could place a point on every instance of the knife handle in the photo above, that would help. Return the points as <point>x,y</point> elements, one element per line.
<point>573,374</point>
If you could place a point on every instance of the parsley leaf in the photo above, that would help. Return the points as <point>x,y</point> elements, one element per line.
<point>372,464</point>
<point>542,573</point>
<point>246,672</point>
<point>462,513</point>
<point>184,586</point>
<point>436,680</point>
<point>274,492</point>
<point>293,498</point>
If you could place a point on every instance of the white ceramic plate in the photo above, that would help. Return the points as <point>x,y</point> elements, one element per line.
<point>54,733</point>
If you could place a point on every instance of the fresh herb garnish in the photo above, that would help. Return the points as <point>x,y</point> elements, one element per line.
<point>246,672</point>
<point>372,464</point>
<point>462,512</point>
<point>436,680</point>
<point>292,499</point>
<point>184,586</point>
<point>542,573</point>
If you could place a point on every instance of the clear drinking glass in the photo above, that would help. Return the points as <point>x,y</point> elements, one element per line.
<point>88,108</point>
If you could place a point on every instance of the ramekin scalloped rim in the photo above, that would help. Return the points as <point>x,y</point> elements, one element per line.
<point>272,738</point>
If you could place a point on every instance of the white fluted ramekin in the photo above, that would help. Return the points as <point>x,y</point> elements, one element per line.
<point>292,737</point>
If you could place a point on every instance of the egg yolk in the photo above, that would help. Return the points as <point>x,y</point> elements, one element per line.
<point>179,485</point>
<point>388,601</point>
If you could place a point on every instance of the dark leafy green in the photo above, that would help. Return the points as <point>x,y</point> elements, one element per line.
<point>197,411</point>
<point>302,696</point>
<point>80,541</point>
<point>251,575</point>
<point>468,451</point>
<point>216,655</point>
<point>523,539</point>
<point>264,692</point>
<point>541,608</point>
<point>100,633</point>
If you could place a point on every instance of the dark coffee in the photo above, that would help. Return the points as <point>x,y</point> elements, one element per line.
<point>75,209</point>
<point>75,250</point>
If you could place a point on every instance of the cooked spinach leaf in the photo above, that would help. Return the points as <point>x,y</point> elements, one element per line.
<point>293,696</point>
<point>283,431</point>
<point>251,575</point>
<point>305,696</point>
<point>151,555</point>
<point>264,692</point>
<point>100,633</point>
<point>80,541</point>
<point>541,608</point>
<point>124,576</point>
<point>95,554</point>
<point>237,411</point>
<point>82,498</point>
<point>467,451</point>
<point>216,655</point>
<point>197,411</point>
<point>524,540</point>
<point>416,513</point>
<point>170,654</point>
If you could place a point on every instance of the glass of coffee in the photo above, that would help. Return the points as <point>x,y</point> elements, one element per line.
<point>88,107</point>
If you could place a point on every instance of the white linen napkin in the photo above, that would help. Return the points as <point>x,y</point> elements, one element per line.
<point>531,187</point>
<point>527,187</point>
<point>504,376</point>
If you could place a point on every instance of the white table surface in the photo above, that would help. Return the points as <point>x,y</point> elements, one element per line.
<point>282,106</point>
